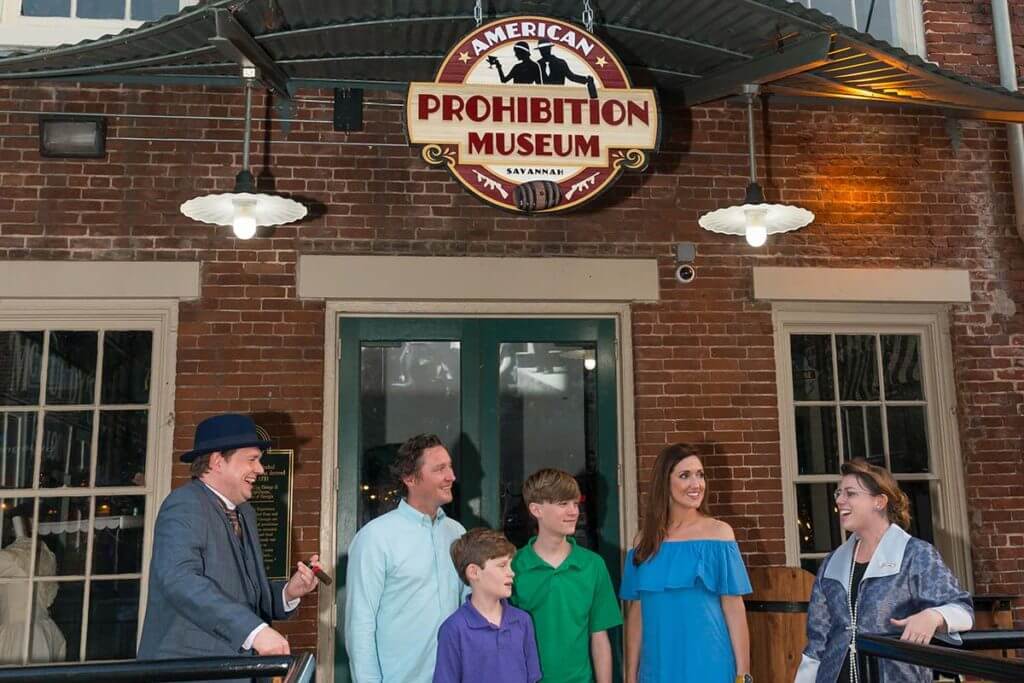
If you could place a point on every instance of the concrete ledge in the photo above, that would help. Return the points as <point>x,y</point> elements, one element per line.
<point>99,280</point>
<point>444,278</point>
<point>862,284</point>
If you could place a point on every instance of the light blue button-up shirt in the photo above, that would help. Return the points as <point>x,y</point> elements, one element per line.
<point>401,585</point>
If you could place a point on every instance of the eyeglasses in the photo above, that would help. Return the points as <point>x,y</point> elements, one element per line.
<point>849,493</point>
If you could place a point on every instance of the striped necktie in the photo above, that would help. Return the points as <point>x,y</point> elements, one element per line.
<point>236,525</point>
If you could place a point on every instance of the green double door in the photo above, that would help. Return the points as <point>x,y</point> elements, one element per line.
<point>507,396</point>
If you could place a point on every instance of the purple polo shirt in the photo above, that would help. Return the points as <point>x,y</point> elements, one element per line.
<point>471,649</point>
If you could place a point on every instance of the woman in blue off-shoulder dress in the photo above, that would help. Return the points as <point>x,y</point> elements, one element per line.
<point>683,580</point>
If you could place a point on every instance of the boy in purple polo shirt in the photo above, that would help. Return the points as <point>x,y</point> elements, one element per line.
<point>486,639</point>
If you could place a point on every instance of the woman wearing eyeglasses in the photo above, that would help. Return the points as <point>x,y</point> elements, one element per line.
<point>881,580</point>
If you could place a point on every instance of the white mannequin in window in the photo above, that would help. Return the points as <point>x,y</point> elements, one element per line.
<point>48,644</point>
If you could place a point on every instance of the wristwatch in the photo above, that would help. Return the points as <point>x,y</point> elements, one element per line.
<point>745,678</point>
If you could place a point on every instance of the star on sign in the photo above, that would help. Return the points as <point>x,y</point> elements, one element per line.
<point>463,57</point>
<point>601,61</point>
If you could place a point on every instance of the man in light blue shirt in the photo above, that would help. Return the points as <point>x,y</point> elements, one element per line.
<point>401,580</point>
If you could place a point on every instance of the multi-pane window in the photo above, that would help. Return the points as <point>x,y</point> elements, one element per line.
<point>123,10</point>
<point>860,395</point>
<point>75,424</point>
<point>897,22</point>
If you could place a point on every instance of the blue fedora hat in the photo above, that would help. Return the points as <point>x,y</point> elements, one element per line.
<point>222,433</point>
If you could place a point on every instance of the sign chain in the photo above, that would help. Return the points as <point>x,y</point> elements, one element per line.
<point>588,16</point>
<point>478,12</point>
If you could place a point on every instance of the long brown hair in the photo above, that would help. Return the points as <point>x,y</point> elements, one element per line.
<point>655,522</point>
<point>878,481</point>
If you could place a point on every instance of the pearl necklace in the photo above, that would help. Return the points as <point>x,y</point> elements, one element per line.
<point>854,674</point>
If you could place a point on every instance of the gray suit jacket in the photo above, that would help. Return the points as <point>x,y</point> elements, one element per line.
<point>207,591</point>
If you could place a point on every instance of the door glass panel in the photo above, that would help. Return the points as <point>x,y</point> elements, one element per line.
<point>406,388</point>
<point>547,418</point>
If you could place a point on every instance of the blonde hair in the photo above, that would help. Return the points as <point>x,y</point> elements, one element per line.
<point>550,485</point>
<point>878,481</point>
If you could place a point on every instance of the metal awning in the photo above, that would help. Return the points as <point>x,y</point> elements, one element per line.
<point>696,50</point>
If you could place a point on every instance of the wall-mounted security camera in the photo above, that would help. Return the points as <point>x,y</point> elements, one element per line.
<point>686,273</point>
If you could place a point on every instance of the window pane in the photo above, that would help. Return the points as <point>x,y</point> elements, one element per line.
<point>67,444</point>
<point>881,23</point>
<point>22,354</point>
<point>113,619</point>
<point>57,632</point>
<point>862,433</point>
<point>121,460</point>
<point>126,363</point>
<point>71,373</point>
<point>117,546</point>
<point>147,10</point>
<point>908,439</point>
<point>842,10</point>
<point>101,9</point>
<point>811,564</point>
<point>817,520</point>
<point>64,528</point>
<point>17,460</point>
<point>901,363</point>
<point>858,367</point>
<point>919,493</point>
<point>406,388</point>
<point>46,8</point>
<point>17,522</point>
<point>817,448</point>
<point>811,356</point>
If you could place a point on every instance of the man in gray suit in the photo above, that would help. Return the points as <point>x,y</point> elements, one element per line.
<point>208,590</point>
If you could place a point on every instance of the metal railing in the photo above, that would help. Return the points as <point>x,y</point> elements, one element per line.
<point>946,656</point>
<point>294,669</point>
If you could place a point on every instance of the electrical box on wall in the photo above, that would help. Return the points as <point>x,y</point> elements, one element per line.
<point>348,109</point>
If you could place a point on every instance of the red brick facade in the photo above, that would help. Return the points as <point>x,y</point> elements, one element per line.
<point>890,189</point>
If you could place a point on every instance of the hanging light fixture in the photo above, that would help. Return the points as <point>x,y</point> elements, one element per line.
<point>244,209</point>
<point>755,218</point>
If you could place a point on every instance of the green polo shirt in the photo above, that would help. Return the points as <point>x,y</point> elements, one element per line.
<point>567,604</point>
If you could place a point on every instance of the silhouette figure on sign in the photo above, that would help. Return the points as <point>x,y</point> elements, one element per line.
<point>525,72</point>
<point>555,70</point>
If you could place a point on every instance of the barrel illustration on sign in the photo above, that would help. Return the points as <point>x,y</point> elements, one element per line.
<point>533,115</point>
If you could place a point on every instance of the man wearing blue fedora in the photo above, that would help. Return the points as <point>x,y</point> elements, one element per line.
<point>208,590</point>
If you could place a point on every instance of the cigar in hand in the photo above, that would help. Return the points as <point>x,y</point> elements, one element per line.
<point>321,575</point>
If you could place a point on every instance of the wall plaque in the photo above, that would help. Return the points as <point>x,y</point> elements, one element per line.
<point>272,502</point>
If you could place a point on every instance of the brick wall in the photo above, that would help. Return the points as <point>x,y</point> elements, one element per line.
<point>889,188</point>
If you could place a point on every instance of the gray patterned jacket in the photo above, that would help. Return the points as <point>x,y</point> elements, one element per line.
<point>905,575</point>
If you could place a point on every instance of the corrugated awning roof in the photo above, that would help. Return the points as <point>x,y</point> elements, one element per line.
<point>699,50</point>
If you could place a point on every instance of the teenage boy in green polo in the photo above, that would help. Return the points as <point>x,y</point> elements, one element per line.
<point>565,588</point>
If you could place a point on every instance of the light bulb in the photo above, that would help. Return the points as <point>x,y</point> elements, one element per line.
<point>244,223</point>
<point>244,227</point>
<point>589,363</point>
<point>756,232</point>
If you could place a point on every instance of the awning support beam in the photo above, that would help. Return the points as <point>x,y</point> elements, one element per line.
<point>238,45</point>
<point>798,58</point>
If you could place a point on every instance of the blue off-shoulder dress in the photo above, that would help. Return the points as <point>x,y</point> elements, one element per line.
<point>685,638</point>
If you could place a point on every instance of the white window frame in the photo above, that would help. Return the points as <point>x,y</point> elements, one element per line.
<point>19,31</point>
<point>160,317</point>
<point>931,323</point>
<point>907,23</point>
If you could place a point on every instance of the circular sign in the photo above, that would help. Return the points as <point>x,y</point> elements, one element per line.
<point>533,115</point>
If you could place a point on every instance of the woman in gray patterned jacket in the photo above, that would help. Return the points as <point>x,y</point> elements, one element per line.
<point>900,585</point>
